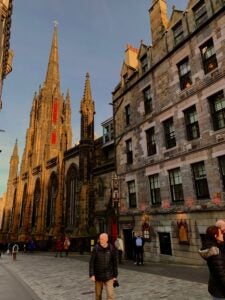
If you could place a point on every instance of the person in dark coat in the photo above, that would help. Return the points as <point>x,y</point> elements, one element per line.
<point>211,252</point>
<point>59,247</point>
<point>103,267</point>
<point>140,249</point>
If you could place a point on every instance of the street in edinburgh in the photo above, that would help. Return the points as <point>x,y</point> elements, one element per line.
<point>43,276</point>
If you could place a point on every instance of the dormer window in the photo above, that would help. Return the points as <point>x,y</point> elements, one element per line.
<point>108,133</point>
<point>178,33</point>
<point>200,13</point>
<point>144,63</point>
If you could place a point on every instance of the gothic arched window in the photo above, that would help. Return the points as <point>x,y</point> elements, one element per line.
<point>71,196</point>
<point>52,194</point>
<point>36,200</point>
<point>23,206</point>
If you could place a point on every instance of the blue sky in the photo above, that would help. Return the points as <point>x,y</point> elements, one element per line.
<point>92,37</point>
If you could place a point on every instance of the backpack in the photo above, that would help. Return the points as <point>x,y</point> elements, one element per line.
<point>138,241</point>
<point>97,246</point>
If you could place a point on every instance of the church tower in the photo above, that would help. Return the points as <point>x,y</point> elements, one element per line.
<point>49,135</point>
<point>50,119</point>
<point>10,193</point>
<point>87,110</point>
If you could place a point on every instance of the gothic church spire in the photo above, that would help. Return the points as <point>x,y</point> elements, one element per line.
<point>87,110</point>
<point>52,79</point>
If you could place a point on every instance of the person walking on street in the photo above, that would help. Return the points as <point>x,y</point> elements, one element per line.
<point>120,248</point>
<point>66,245</point>
<point>59,247</point>
<point>140,249</point>
<point>103,267</point>
<point>215,258</point>
<point>221,224</point>
<point>15,250</point>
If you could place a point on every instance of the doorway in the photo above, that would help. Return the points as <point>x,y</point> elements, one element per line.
<point>165,243</point>
<point>128,243</point>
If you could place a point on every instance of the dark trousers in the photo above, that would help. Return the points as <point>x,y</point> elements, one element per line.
<point>139,255</point>
<point>120,254</point>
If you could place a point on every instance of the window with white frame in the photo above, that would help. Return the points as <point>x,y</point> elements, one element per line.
<point>176,185</point>
<point>132,194</point>
<point>154,189</point>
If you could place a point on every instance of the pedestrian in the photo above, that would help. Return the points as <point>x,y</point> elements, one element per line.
<point>119,244</point>
<point>59,247</point>
<point>215,258</point>
<point>221,224</point>
<point>31,246</point>
<point>15,250</point>
<point>66,245</point>
<point>103,267</point>
<point>140,249</point>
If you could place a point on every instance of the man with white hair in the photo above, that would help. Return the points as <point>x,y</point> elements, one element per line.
<point>221,224</point>
<point>103,267</point>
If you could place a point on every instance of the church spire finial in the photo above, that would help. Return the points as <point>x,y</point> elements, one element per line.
<point>52,76</point>
<point>87,89</point>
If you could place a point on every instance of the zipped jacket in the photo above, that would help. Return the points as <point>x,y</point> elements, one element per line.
<point>103,263</point>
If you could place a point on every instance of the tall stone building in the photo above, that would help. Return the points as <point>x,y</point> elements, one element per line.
<point>169,116</point>
<point>6,54</point>
<point>56,190</point>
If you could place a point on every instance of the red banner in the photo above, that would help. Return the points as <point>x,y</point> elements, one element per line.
<point>55,111</point>
<point>53,138</point>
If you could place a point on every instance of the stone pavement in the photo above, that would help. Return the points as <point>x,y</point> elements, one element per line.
<point>64,278</point>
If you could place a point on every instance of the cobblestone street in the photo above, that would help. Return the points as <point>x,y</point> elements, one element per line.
<point>67,278</point>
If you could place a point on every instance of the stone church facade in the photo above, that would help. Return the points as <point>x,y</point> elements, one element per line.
<point>169,116</point>
<point>58,188</point>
